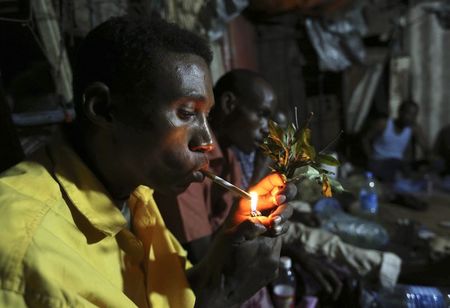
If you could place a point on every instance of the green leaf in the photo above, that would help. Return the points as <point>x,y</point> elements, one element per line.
<point>336,185</point>
<point>327,160</point>
<point>325,171</point>
<point>295,157</point>
<point>307,172</point>
<point>298,150</point>
<point>275,131</point>
<point>305,136</point>
<point>312,152</point>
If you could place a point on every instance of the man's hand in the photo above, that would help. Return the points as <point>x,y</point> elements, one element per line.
<point>323,274</point>
<point>241,261</point>
<point>272,193</point>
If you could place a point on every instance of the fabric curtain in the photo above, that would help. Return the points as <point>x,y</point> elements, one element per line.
<point>430,59</point>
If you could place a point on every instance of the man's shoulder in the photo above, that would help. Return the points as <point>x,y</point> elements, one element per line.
<point>28,179</point>
<point>27,193</point>
<point>25,188</point>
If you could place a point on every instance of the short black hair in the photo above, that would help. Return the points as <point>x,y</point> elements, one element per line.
<point>237,81</point>
<point>408,104</point>
<point>125,51</point>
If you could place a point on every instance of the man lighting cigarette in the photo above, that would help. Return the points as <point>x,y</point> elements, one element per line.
<point>80,226</point>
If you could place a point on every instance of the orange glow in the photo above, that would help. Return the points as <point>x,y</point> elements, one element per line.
<point>254,201</point>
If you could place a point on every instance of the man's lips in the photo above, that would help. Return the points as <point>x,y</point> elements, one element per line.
<point>196,175</point>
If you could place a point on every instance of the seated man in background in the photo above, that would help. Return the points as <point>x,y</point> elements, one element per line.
<point>78,226</point>
<point>387,139</point>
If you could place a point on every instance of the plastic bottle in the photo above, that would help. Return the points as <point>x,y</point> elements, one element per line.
<point>284,286</point>
<point>351,229</point>
<point>368,196</point>
<point>407,296</point>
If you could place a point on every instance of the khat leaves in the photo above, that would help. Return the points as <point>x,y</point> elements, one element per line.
<point>296,158</point>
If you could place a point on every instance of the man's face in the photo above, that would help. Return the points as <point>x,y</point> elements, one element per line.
<point>162,143</point>
<point>249,122</point>
<point>408,115</point>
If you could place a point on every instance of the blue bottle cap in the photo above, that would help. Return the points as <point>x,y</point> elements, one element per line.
<point>369,175</point>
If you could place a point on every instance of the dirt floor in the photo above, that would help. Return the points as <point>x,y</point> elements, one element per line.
<point>420,238</point>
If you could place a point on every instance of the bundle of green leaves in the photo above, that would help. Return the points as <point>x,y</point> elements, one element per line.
<point>295,157</point>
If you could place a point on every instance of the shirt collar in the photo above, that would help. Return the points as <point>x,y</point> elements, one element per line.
<point>85,191</point>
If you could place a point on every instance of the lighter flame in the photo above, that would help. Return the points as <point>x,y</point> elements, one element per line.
<point>254,201</point>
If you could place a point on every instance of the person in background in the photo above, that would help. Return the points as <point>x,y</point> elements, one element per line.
<point>79,224</point>
<point>386,140</point>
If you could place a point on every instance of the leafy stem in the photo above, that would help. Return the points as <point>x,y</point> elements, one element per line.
<point>296,158</point>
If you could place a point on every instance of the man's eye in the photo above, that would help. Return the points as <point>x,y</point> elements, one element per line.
<point>186,114</point>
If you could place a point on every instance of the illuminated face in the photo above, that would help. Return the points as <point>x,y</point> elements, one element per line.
<point>163,143</point>
<point>249,121</point>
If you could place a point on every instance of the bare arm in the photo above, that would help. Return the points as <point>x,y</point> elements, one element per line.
<point>375,130</point>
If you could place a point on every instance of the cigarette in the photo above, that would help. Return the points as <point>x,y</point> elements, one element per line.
<point>227,185</point>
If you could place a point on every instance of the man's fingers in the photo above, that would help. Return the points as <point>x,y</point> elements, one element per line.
<point>248,230</point>
<point>322,281</point>
<point>267,201</point>
<point>281,214</point>
<point>336,282</point>
<point>279,221</point>
<point>329,281</point>
<point>270,191</point>
<point>276,231</point>
<point>267,184</point>
<point>290,191</point>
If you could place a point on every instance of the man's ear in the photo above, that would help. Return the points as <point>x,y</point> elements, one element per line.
<point>228,102</point>
<point>97,104</point>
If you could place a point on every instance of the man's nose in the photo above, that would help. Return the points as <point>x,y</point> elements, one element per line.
<point>202,141</point>
<point>204,148</point>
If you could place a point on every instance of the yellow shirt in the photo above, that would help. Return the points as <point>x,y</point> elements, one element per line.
<point>60,243</point>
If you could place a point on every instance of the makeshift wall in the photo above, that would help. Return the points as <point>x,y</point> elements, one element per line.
<point>281,60</point>
<point>240,45</point>
<point>430,63</point>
